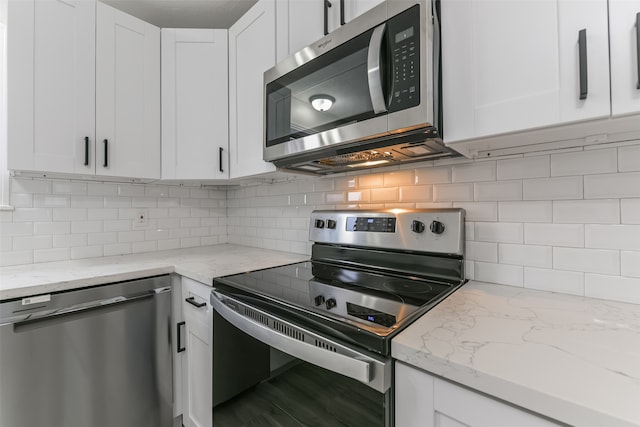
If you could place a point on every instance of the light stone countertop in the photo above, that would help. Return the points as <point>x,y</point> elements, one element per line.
<point>573,359</point>
<point>201,264</point>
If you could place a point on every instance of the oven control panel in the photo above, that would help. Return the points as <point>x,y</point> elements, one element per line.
<point>425,230</point>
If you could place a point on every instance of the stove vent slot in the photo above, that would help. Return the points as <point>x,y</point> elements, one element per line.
<point>288,331</point>
<point>326,346</point>
<point>258,317</point>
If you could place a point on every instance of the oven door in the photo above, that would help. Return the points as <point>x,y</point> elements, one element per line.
<point>336,386</point>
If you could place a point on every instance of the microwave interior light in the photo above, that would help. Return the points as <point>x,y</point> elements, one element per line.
<point>365,164</point>
<point>322,102</point>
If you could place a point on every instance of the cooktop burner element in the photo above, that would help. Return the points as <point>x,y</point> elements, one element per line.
<point>371,273</point>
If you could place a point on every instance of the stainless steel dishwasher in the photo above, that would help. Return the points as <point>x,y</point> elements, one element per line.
<point>94,357</point>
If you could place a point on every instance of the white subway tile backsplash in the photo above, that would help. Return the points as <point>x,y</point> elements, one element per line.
<point>130,236</point>
<point>397,178</point>
<point>359,196</point>
<point>130,190</point>
<point>526,167</point>
<point>165,245</point>
<point>614,185</point>
<point>571,235</point>
<point>86,227</point>
<point>33,214</point>
<point>71,188</point>
<point>69,240</point>
<point>481,251</point>
<point>630,263</point>
<point>81,252</point>
<point>613,236</point>
<point>433,175</point>
<point>117,225</point>
<point>117,202</point>
<point>156,191</point>
<point>416,193</point>
<point>381,195</point>
<point>102,213</point>
<point>525,211</point>
<point>101,189</point>
<point>553,188</point>
<point>6,244</point>
<point>469,230</point>
<point>70,214</point>
<point>585,162</point>
<point>31,186</point>
<point>567,282</point>
<point>511,275</point>
<point>16,228</point>
<point>498,191</point>
<point>370,180</point>
<point>50,255</point>
<point>138,247</point>
<point>479,211</point>
<point>335,197</point>
<point>473,172</point>
<point>50,201</point>
<point>59,227</point>
<point>587,260</point>
<point>614,288</point>
<point>16,258</point>
<point>587,211</point>
<point>527,255</point>
<point>503,232</point>
<point>629,158</point>
<point>453,192</point>
<point>102,238</point>
<point>21,200</point>
<point>117,249</point>
<point>630,211</point>
<point>26,243</point>
<point>469,270</point>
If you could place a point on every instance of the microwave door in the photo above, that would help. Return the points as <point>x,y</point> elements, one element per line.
<point>374,70</point>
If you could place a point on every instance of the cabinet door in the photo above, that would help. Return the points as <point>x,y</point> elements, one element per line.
<point>300,23</point>
<point>195,104</point>
<point>198,368</point>
<point>51,98</point>
<point>423,400</point>
<point>355,8</point>
<point>128,95</point>
<point>624,26</point>
<point>252,51</point>
<point>511,66</point>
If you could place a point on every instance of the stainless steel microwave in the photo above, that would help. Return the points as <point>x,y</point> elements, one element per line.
<point>363,96</point>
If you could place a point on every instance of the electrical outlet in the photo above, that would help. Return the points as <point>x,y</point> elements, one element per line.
<point>141,220</point>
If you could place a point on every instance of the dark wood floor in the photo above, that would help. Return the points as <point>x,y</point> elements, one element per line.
<point>303,396</point>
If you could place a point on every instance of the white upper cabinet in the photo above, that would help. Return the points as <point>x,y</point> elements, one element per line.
<point>516,65</point>
<point>252,51</point>
<point>624,29</point>
<point>51,90</point>
<point>127,95</point>
<point>195,104</point>
<point>300,23</point>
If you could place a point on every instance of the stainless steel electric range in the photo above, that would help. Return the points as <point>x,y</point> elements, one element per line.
<point>370,275</point>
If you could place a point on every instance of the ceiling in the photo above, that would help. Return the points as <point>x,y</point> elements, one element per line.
<point>185,13</point>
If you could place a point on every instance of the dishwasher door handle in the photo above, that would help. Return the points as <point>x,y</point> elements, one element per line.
<point>80,310</point>
<point>350,366</point>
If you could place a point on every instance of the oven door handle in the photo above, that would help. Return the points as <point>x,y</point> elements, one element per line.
<point>374,70</point>
<point>352,367</point>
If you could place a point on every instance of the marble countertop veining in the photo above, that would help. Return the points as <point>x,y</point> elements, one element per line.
<point>201,264</point>
<point>573,359</point>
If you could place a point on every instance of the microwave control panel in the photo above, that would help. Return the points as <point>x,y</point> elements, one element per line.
<point>404,40</point>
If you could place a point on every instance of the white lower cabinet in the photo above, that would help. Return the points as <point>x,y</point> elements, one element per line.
<point>197,359</point>
<point>422,400</point>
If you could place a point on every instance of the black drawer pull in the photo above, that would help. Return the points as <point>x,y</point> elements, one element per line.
<point>582,52</point>
<point>106,154</point>
<point>86,151</point>
<point>638,47</point>
<point>181,347</point>
<point>193,302</point>
<point>327,5</point>
<point>220,154</point>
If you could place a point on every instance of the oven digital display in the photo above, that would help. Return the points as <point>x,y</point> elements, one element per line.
<point>371,315</point>
<point>377,224</point>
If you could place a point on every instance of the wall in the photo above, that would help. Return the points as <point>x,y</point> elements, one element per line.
<point>56,220</point>
<point>567,221</point>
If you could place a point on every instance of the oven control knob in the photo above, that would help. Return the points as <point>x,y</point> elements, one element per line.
<point>417,226</point>
<point>319,223</point>
<point>331,302</point>
<point>319,300</point>
<point>437,227</point>
<point>331,224</point>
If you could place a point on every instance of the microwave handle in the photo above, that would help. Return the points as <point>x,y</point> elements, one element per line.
<point>374,70</point>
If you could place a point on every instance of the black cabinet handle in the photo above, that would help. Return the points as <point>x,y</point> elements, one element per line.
<point>192,301</point>
<point>179,326</point>
<point>638,47</point>
<point>106,154</point>
<point>86,151</point>
<point>220,155</point>
<point>327,5</point>
<point>582,53</point>
<point>342,12</point>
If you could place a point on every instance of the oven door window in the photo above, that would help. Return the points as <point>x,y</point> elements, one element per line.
<point>338,77</point>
